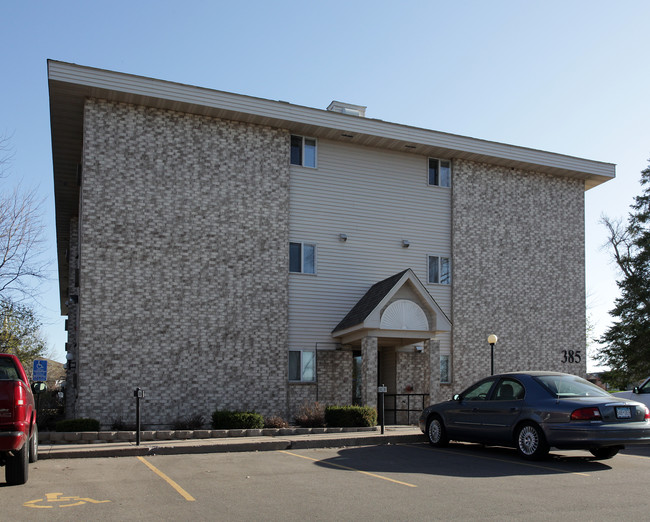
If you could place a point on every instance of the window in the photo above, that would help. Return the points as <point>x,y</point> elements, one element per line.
<point>439,270</point>
<point>480,391</point>
<point>439,172</point>
<point>302,258</point>
<point>302,365</point>
<point>509,390</point>
<point>303,151</point>
<point>445,374</point>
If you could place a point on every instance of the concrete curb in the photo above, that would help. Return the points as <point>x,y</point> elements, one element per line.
<point>94,437</point>
<point>225,445</point>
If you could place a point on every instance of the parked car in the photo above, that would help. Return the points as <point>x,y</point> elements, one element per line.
<point>639,393</point>
<point>534,411</point>
<point>18,430</point>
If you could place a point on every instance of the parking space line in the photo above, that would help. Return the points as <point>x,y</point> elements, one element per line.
<point>518,462</point>
<point>334,465</point>
<point>169,481</point>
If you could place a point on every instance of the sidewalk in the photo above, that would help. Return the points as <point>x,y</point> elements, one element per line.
<point>392,435</point>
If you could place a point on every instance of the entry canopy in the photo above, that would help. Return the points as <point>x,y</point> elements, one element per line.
<point>398,309</point>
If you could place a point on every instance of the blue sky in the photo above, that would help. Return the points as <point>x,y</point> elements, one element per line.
<point>565,76</point>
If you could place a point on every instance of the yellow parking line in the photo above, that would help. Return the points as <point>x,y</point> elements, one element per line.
<point>350,469</point>
<point>169,481</point>
<point>518,462</point>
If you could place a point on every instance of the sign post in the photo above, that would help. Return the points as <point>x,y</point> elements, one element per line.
<point>381,390</point>
<point>138,393</point>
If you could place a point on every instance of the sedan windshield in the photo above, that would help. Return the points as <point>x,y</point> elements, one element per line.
<point>562,386</point>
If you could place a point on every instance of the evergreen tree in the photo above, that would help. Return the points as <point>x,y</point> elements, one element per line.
<point>627,350</point>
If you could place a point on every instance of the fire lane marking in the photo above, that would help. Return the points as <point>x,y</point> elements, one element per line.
<point>334,465</point>
<point>169,481</point>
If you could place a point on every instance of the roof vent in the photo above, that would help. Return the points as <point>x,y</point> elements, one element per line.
<point>347,108</point>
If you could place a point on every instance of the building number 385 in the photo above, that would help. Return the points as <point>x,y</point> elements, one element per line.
<point>571,356</point>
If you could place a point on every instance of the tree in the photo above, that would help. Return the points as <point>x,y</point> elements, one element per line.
<point>21,236</point>
<point>20,332</point>
<point>627,341</point>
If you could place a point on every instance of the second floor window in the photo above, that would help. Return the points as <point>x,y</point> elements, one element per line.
<point>303,151</point>
<point>302,258</point>
<point>439,270</point>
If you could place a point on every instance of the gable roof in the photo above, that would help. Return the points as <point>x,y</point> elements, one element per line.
<point>368,302</point>
<point>365,316</point>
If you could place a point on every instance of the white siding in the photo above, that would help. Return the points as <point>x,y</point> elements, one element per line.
<point>378,198</point>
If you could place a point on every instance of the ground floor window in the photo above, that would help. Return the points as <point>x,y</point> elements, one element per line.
<point>302,365</point>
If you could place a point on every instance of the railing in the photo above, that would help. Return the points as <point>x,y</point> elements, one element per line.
<point>404,408</point>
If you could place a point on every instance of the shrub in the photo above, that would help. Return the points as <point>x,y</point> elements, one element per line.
<point>350,416</point>
<point>78,425</point>
<point>193,422</point>
<point>275,421</point>
<point>121,425</point>
<point>311,415</point>
<point>232,420</point>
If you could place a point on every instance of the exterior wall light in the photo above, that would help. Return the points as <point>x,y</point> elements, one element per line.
<point>405,243</point>
<point>492,340</point>
<point>343,237</point>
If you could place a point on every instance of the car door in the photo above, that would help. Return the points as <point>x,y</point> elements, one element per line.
<point>501,411</point>
<point>464,417</point>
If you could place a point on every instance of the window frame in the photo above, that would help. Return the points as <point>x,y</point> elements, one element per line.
<point>302,257</point>
<point>302,163</point>
<point>439,258</point>
<point>438,172</point>
<point>303,366</point>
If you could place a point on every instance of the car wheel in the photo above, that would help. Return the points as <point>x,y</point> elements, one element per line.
<point>604,453</point>
<point>530,441</point>
<point>33,446</point>
<point>436,432</point>
<point>17,467</point>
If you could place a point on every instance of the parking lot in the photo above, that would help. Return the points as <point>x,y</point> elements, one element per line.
<point>392,482</point>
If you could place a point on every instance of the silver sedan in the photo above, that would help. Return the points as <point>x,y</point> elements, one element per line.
<point>534,411</point>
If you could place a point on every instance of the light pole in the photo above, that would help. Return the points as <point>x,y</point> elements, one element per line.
<point>492,340</point>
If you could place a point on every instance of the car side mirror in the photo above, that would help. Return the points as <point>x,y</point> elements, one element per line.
<point>457,397</point>
<point>635,390</point>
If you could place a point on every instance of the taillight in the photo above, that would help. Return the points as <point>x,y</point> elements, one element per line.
<point>20,401</point>
<point>647,413</point>
<point>586,414</point>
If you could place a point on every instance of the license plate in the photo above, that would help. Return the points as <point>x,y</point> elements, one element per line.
<point>623,412</point>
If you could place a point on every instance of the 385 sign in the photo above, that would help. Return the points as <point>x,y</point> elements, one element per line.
<point>571,356</point>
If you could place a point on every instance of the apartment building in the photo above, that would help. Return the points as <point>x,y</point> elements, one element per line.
<point>224,251</point>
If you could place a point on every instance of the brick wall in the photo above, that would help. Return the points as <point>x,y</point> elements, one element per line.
<point>518,270</point>
<point>184,234</point>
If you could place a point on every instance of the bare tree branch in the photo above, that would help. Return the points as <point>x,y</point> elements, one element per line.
<point>620,241</point>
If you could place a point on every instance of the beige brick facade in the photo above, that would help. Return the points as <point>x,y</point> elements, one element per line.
<point>518,270</point>
<point>183,287</point>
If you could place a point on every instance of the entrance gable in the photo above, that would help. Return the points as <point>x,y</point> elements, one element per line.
<point>399,306</point>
